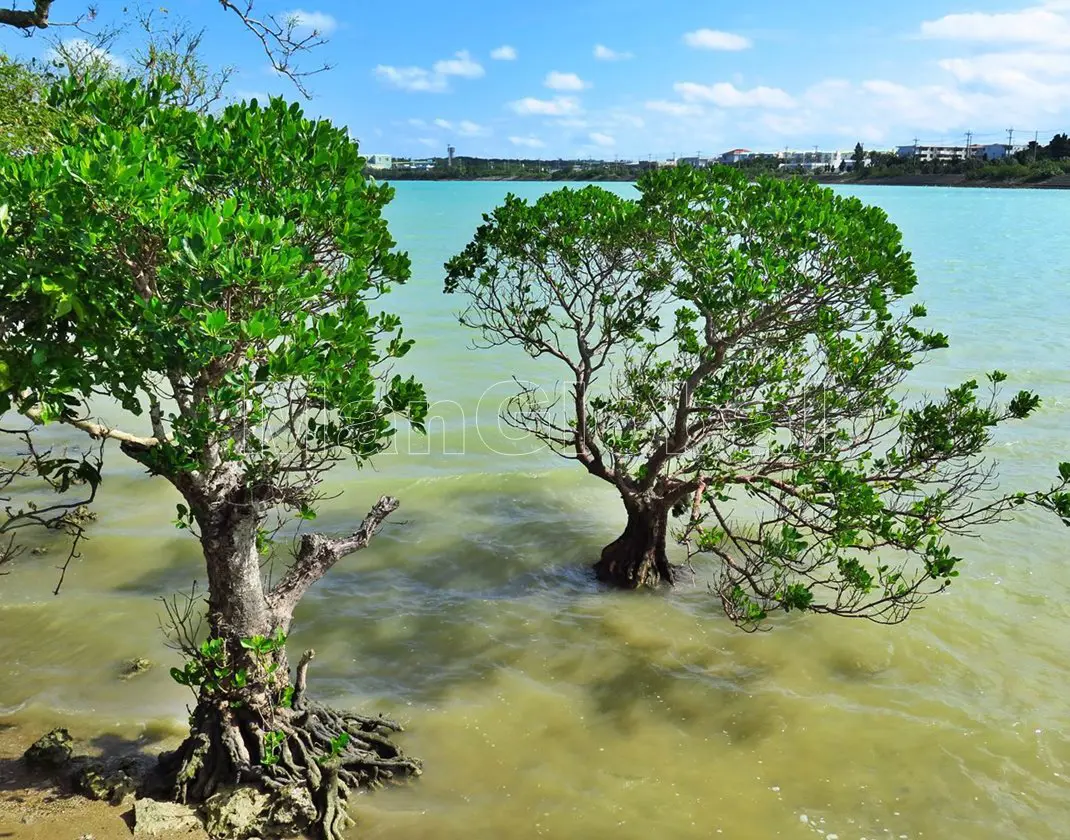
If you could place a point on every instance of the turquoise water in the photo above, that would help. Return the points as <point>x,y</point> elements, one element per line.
<point>544,707</point>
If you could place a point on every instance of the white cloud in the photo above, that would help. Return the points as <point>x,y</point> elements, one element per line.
<point>827,93</point>
<point>572,122</point>
<point>1040,25</point>
<point>527,142</point>
<point>556,80</point>
<point>1009,70</point>
<point>435,80</point>
<point>626,119</point>
<point>79,52</point>
<point>601,139</point>
<point>320,22</point>
<point>559,106</point>
<point>674,109</point>
<point>713,39</point>
<point>728,95</point>
<point>604,53</point>
<point>427,141</point>
<point>504,53</point>
<point>467,128</point>
<point>462,64</point>
<point>413,79</point>
<point>417,123</point>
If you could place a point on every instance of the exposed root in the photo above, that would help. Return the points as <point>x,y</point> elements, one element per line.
<point>301,682</point>
<point>328,753</point>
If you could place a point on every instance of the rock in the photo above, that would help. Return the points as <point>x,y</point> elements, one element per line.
<point>236,814</point>
<point>152,818</point>
<point>292,811</point>
<point>50,752</point>
<point>132,667</point>
<point>96,782</point>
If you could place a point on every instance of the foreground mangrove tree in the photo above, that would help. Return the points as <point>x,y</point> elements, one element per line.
<point>736,353</point>
<point>212,276</point>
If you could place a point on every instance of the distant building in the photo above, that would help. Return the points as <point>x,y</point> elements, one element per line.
<point>449,155</point>
<point>996,151</point>
<point>694,162</point>
<point>813,161</point>
<point>736,156</point>
<point>932,153</point>
<point>380,162</point>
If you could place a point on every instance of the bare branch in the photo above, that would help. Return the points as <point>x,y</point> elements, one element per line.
<point>317,554</point>
<point>97,431</point>
<point>283,41</point>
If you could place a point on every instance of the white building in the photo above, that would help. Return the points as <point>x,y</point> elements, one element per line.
<point>933,153</point>
<point>380,162</point>
<point>813,161</point>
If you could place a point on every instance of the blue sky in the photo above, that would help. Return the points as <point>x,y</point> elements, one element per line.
<point>620,78</point>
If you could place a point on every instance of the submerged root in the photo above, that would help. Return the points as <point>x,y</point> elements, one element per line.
<point>307,762</point>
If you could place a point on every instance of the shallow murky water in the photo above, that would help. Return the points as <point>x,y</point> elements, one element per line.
<point>545,707</point>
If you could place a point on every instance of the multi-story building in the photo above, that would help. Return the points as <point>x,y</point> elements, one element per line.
<point>813,161</point>
<point>380,162</point>
<point>934,153</point>
<point>996,151</point>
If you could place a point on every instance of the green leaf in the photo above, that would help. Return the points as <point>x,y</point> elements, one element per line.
<point>214,322</point>
<point>179,677</point>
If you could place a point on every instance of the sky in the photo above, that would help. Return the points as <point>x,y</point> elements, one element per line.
<point>622,79</point>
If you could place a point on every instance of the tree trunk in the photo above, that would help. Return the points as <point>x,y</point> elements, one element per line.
<point>637,557</point>
<point>252,727</point>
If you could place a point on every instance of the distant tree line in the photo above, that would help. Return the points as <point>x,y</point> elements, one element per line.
<point>1033,164</point>
<point>473,168</point>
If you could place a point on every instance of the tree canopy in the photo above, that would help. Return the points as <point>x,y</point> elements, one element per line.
<point>228,257</point>
<point>216,277</point>
<point>26,121</point>
<point>738,352</point>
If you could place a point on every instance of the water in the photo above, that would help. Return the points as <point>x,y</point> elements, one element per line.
<point>544,707</point>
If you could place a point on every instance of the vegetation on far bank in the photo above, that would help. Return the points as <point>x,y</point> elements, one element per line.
<point>1036,166</point>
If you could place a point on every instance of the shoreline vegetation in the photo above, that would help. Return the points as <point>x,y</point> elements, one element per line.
<point>1037,167</point>
<point>1060,182</point>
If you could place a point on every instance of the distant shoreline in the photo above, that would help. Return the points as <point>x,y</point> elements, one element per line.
<point>1057,183</point>
<point>1061,182</point>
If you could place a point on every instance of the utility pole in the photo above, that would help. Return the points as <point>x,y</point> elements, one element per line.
<point>1010,140</point>
<point>914,159</point>
<point>1036,144</point>
<point>969,143</point>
